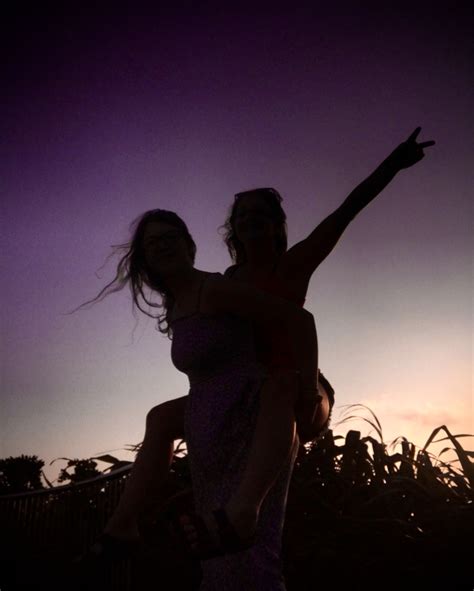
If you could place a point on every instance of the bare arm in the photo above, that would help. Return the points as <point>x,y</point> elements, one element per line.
<point>308,254</point>
<point>267,311</point>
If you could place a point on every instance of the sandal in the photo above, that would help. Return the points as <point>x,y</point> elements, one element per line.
<point>229,540</point>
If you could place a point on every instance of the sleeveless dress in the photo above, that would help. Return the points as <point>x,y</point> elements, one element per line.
<point>218,355</point>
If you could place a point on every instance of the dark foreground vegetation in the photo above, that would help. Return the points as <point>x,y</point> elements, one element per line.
<point>361,515</point>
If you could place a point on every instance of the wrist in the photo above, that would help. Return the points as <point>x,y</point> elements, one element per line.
<point>392,164</point>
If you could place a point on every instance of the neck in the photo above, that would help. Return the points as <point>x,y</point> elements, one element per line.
<point>261,255</point>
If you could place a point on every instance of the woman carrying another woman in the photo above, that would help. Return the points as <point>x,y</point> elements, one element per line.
<point>212,321</point>
<point>257,241</point>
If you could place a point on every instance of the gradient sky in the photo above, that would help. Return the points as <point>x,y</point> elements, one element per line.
<point>108,115</point>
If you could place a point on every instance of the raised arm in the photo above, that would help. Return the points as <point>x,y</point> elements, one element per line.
<point>307,255</point>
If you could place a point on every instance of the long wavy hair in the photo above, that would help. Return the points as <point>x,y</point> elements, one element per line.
<point>273,198</point>
<point>133,270</point>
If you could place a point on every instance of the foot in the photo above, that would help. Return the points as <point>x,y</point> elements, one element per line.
<point>223,532</point>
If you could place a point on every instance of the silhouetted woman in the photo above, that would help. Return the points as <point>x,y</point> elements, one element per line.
<point>256,237</point>
<point>212,320</point>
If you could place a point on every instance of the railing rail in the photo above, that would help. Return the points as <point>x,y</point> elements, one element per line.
<point>61,522</point>
<point>59,489</point>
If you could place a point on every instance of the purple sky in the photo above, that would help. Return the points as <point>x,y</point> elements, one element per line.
<point>108,116</point>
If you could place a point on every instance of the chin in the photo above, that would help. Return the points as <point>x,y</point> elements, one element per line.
<point>162,269</point>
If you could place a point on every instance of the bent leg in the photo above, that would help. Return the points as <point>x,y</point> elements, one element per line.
<point>164,424</point>
<point>272,440</point>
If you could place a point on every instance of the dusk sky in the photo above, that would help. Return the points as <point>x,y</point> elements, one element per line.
<point>108,115</point>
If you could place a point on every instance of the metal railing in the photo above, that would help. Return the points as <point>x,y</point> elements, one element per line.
<point>61,522</point>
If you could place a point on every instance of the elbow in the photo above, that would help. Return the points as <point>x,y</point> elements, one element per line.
<point>304,319</point>
<point>308,317</point>
<point>310,326</point>
<point>311,323</point>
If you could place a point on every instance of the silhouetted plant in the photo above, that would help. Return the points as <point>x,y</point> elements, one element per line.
<point>20,474</point>
<point>87,468</point>
<point>364,513</point>
<point>361,509</point>
<point>83,470</point>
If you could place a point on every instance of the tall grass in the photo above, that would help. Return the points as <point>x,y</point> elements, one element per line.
<point>372,515</point>
<point>365,514</point>
<point>361,514</point>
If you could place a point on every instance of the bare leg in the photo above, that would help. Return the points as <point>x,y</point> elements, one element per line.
<point>272,443</point>
<point>164,425</point>
<point>272,440</point>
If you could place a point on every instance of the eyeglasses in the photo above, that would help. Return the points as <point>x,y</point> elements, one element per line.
<point>260,191</point>
<point>164,239</point>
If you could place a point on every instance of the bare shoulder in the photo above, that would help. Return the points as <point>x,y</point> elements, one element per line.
<point>290,272</point>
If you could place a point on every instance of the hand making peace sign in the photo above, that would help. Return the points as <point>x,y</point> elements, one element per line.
<point>410,152</point>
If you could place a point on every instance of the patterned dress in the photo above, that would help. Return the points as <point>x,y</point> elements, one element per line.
<point>218,355</point>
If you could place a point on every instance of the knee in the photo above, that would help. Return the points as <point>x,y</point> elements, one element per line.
<point>158,419</point>
<point>166,420</point>
<point>322,412</point>
<point>311,431</point>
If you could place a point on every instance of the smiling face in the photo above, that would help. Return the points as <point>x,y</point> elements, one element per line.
<point>254,219</point>
<point>165,248</point>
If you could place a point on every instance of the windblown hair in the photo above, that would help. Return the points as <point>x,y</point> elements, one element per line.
<point>132,269</point>
<point>273,199</point>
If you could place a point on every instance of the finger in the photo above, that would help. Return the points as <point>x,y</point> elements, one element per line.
<point>426,144</point>
<point>414,135</point>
